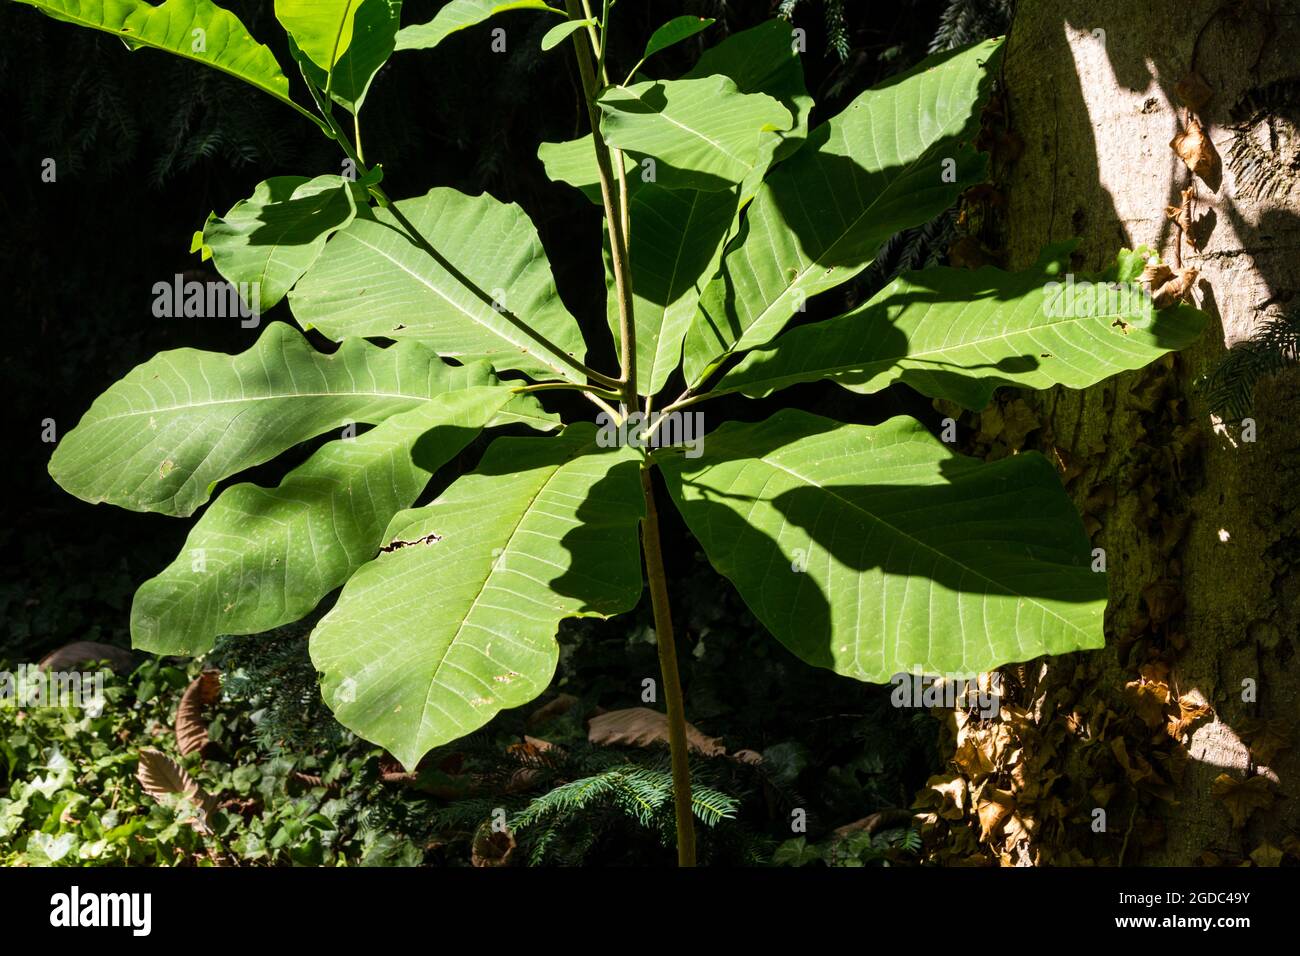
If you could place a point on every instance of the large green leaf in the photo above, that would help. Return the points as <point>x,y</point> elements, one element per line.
<point>457,15</point>
<point>677,239</point>
<point>374,35</point>
<point>195,29</point>
<point>678,235</point>
<point>457,622</point>
<point>757,60</point>
<point>322,29</point>
<point>873,170</point>
<point>762,60</point>
<point>876,550</point>
<point>959,333</point>
<point>701,133</point>
<point>270,239</point>
<point>673,32</point>
<point>373,280</point>
<point>163,436</point>
<point>259,558</point>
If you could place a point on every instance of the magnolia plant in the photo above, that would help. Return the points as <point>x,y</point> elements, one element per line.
<point>870,550</point>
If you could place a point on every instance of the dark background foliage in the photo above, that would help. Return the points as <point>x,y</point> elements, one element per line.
<point>147,145</point>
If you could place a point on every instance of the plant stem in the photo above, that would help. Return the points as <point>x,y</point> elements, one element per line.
<point>654,565</point>
<point>336,133</point>
<point>615,218</point>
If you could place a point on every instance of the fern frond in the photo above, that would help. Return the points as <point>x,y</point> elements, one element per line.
<point>1229,391</point>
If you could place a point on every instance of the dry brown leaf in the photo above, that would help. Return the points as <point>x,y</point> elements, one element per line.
<point>1193,91</point>
<point>67,657</point>
<point>1242,797</point>
<point>1177,289</point>
<point>1267,855</point>
<point>642,727</point>
<point>562,704</point>
<point>1190,710</point>
<point>881,820</point>
<point>191,727</point>
<point>1265,738</point>
<point>492,847</point>
<point>944,794</point>
<point>160,776</point>
<point>1135,766</point>
<point>1155,275</point>
<point>972,761</point>
<point>1194,148</point>
<point>993,807</point>
<point>1149,700</point>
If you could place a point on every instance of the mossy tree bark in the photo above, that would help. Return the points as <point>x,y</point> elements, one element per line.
<point>1200,525</point>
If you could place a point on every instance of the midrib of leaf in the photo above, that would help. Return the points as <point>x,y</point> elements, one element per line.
<point>334,53</point>
<point>460,628</point>
<point>892,360</point>
<point>533,348</point>
<point>262,398</point>
<point>694,132</point>
<point>672,286</point>
<point>810,267</point>
<point>948,559</point>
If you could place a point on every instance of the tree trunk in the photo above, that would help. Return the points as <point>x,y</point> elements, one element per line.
<point>1177,729</point>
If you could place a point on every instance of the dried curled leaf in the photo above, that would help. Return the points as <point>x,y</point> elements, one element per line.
<point>1266,737</point>
<point>641,727</point>
<point>69,656</point>
<point>1242,797</point>
<point>191,728</point>
<point>1177,289</point>
<point>1155,275</point>
<point>1194,91</point>
<point>1267,855</point>
<point>492,847</point>
<point>1191,708</point>
<point>1194,148</point>
<point>161,777</point>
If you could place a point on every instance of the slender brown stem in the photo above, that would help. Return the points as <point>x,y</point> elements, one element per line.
<point>654,566</point>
